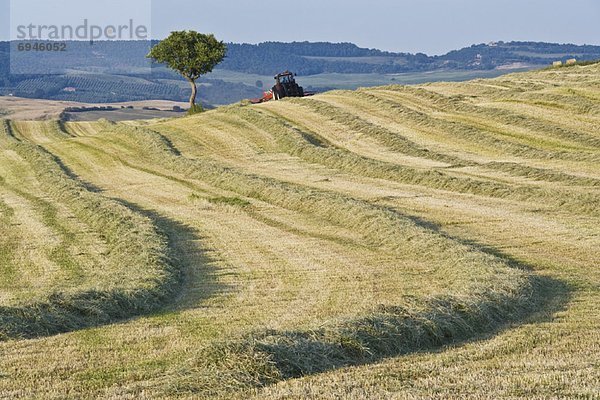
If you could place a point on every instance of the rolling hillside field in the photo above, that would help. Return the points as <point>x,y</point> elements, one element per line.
<point>397,242</point>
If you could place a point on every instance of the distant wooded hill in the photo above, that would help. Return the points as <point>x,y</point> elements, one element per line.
<point>79,82</point>
<point>346,58</point>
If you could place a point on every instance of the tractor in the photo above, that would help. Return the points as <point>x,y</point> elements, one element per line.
<point>285,86</point>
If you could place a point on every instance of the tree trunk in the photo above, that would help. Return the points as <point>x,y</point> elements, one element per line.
<point>194,93</point>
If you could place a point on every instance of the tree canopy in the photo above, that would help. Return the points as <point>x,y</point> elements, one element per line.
<point>190,53</point>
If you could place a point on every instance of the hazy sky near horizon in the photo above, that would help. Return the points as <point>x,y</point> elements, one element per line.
<point>429,26</point>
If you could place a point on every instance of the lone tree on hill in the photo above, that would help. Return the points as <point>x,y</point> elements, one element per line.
<point>192,54</point>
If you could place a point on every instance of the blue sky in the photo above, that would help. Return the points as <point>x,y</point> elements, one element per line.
<point>430,26</point>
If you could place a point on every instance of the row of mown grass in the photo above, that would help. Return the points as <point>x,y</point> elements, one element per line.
<point>483,291</point>
<point>497,140</point>
<point>385,136</point>
<point>401,145</point>
<point>440,103</point>
<point>137,254</point>
<point>551,357</point>
<point>8,244</point>
<point>309,147</point>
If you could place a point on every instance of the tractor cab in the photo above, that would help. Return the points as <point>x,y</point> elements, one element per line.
<point>285,78</point>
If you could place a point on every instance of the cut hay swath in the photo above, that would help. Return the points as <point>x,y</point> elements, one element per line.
<point>136,252</point>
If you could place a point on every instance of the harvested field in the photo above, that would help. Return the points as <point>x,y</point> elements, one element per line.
<point>438,241</point>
